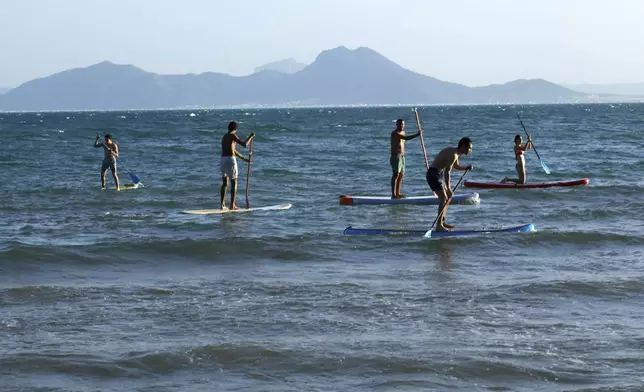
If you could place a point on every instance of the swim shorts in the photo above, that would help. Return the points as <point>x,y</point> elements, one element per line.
<point>435,179</point>
<point>228,167</point>
<point>108,164</point>
<point>397,163</point>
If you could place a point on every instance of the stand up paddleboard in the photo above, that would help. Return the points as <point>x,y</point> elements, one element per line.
<point>126,187</point>
<point>420,233</point>
<point>226,210</point>
<point>465,198</point>
<point>493,185</point>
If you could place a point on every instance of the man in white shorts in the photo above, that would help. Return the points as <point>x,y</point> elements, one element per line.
<point>228,163</point>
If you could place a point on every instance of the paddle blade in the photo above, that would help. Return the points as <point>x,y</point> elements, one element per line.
<point>135,178</point>
<point>545,167</point>
<point>428,234</point>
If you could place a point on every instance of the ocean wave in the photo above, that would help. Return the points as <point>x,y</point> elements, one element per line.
<point>604,289</point>
<point>554,237</point>
<point>145,249</point>
<point>275,362</point>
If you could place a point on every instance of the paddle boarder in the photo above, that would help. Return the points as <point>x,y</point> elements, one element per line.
<point>111,151</point>
<point>228,163</point>
<point>397,159</point>
<point>519,150</point>
<point>438,177</point>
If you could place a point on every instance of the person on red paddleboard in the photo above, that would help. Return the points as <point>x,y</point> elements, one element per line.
<point>519,150</point>
<point>228,163</point>
<point>438,177</point>
<point>397,159</point>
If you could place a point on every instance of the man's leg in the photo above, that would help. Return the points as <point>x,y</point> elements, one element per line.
<point>399,180</point>
<point>401,173</point>
<point>439,190</point>
<point>233,194</point>
<point>233,185</point>
<point>442,210</point>
<point>224,184</point>
<point>447,224</point>
<point>394,178</point>
<point>103,173</point>
<point>393,161</point>
<point>115,176</point>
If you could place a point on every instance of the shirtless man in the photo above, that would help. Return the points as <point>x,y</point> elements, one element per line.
<point>439,170</point>
<point>397,159</point>
<point>228,163</point>
<point>111,151</point>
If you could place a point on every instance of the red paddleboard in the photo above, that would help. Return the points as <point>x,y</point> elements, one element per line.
<point>510,185</point>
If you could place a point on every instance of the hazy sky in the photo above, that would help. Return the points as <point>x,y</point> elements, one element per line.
<point>473,42</point>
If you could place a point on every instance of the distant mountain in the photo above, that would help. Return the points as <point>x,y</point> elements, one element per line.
<point>4,90</point>
<point>534,90</point>
<point>633,89</point>
<point>287,66</point>
<point>337,77</point>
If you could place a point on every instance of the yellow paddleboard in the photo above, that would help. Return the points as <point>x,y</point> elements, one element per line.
<point>126,187</point>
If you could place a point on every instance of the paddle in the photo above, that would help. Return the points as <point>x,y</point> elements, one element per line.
<point>429,232</point>
<point>422,141</point>
<point>250,157</point>
<point>135,179</point>
<point>543,165</point>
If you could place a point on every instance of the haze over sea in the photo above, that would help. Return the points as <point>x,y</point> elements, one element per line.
<point>107,291</point>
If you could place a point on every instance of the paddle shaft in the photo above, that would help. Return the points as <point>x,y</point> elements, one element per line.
<point>250,157</point>
<point>422,140</point>
<point>134,177</point>
<point>449,200</point>
<point>527,134</point>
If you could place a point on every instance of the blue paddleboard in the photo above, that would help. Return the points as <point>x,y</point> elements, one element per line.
<point>456,233</point>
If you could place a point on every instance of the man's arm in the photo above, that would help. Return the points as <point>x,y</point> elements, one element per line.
<point>115,151</point>
<point>243,158</point>
<point>96,143</point>
<point>459,167</point>
<point>245,142</point>
<point>414,136</point>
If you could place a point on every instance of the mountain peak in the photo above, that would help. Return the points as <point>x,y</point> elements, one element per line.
<point>287,66</point>
<point>342,58</point>
<point>108,65</point>
<point>343,51</point>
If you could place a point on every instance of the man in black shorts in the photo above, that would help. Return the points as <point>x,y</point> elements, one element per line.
<point>438,177</point>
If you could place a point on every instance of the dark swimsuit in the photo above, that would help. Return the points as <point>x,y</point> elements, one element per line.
<point>435,179</point>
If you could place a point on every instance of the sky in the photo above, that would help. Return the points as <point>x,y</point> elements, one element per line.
<point>472,42</point>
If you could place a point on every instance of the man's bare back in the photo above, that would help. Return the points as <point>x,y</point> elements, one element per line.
<point>228,142</point>
<point>446,158</point>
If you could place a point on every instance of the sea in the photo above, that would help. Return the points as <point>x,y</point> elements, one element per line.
<point>121,291</point>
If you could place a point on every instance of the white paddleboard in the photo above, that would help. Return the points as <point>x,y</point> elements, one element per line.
<point>461,198</point>
<point>241,209</point>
